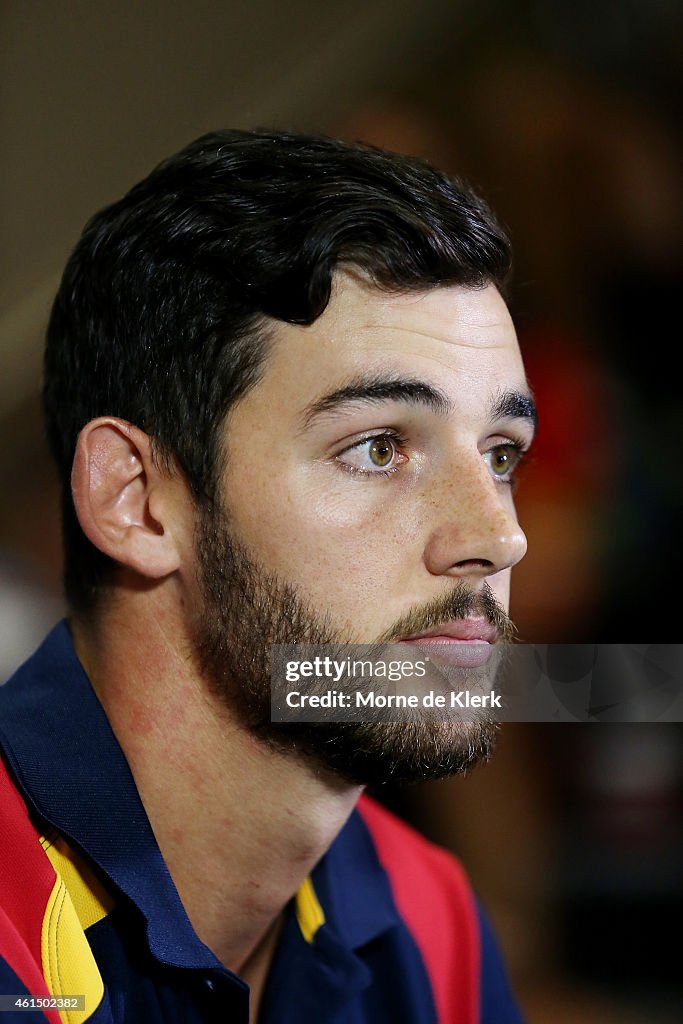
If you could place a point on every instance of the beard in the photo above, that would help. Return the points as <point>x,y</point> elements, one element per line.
<point>244,610</point>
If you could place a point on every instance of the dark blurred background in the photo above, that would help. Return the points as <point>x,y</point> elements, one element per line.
<point>565,116</point>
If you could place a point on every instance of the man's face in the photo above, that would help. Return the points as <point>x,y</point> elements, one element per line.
<point>367,494</point>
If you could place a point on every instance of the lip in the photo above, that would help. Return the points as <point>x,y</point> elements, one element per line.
<point>458,631</point>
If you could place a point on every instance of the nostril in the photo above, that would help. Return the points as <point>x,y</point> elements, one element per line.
<point>469,563</point>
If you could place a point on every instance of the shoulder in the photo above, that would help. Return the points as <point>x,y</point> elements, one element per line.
<point>26,885</point>
<point>419,871</point>
<point>43,946</point>
<point>435,900</point>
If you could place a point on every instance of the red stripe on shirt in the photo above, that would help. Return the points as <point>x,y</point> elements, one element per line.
<point>435,900</point>
<point>26,882</point>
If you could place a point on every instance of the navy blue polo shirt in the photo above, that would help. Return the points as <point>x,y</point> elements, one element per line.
<point>349,952</point>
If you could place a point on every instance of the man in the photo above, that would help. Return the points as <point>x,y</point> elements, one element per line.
<point>287,404</point>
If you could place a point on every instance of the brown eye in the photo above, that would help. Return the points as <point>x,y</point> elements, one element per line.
<point>378,455</point>
<point>381,451</point>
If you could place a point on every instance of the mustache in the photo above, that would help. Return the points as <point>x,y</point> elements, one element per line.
<point>460,603</point>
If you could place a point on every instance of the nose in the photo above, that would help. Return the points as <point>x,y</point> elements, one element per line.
<point>474,530</point>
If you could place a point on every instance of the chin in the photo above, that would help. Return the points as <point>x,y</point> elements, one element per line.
<point>377,753</point>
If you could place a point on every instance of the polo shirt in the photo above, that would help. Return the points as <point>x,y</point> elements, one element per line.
<point>385,929</point>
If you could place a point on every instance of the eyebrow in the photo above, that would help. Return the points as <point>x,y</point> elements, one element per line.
<point>516,405</point>
<point>371,391</point>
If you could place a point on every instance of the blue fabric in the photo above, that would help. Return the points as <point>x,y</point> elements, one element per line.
<point>497,1003</point>
<point>363,966</point>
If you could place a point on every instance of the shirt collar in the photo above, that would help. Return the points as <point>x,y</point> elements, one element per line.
<point>71,769</point>
<point>353,887</point>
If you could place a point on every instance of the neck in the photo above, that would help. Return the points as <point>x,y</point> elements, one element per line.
<point>239,824</point>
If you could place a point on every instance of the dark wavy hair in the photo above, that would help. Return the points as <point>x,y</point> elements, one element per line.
<point>163,313</point>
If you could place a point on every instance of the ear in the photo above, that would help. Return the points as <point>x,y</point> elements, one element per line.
<point>122,500</point>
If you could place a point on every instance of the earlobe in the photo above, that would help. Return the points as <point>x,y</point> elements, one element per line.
<point>119,497</point>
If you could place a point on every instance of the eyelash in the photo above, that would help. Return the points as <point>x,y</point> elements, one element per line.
<point>520,451</point>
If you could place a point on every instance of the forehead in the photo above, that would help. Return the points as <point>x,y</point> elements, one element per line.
<point>461,340</point>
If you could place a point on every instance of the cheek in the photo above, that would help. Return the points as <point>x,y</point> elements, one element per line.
<point>343,543</point>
